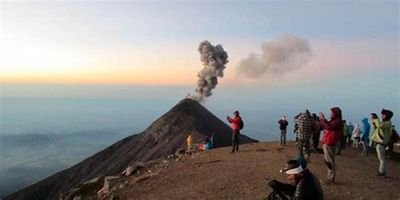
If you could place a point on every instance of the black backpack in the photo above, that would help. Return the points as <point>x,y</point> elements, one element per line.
<point>241,124</point>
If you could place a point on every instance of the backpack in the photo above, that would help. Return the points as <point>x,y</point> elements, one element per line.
<point>241,124</point>
<point>395,136</point>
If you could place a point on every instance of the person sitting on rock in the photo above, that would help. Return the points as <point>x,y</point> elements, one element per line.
<point>304,185</point>
<point>207,144</point>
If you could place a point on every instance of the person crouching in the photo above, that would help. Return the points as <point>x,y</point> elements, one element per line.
<point>304,185</point>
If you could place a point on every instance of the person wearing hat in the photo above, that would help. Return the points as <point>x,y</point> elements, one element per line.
<point>381,137</point>
<point>237,125</point>
<point>304,185</point>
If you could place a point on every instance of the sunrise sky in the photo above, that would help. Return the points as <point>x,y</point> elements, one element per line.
<point>155,43</point>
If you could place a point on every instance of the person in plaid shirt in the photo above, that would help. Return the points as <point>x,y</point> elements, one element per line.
<point>306,125</point>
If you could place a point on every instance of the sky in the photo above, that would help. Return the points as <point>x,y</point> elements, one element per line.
<point>155,42</point>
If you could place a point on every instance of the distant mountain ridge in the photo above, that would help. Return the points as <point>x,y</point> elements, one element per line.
<point>164,136</point>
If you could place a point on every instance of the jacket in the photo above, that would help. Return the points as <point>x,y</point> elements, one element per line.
<point>235,122</point>
<point>283,124</point>
<point>357,132</point>
<point>365,129</point>
<point>382,133</point>
<point>333,129</point>
<point>306,189</point>
<point>189,140</point>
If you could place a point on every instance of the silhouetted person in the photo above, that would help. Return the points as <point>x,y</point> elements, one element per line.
<point>393,139</point>
<point>317,132</point>
<point>283,123</point>
<point>342,143</point>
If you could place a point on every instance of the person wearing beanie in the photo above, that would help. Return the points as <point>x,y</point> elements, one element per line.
<point>303,184</point>
<point>333,131</point>
<point>381,137</point>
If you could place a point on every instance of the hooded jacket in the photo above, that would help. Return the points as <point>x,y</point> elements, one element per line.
<point>382,133</point>
<point>333,129</point>
<point>365,129</point>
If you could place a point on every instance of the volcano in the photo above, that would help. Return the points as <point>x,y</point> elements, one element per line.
<point>164,137</point>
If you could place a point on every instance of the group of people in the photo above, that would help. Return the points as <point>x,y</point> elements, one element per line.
<point>207,144</point>
<point>337,135</point>
<point>307,128</point>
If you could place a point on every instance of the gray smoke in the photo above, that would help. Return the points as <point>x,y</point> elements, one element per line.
<point>214,59</point>
<point>285,54</point>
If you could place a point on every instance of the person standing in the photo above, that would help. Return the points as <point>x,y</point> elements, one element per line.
<point>365,136</point>
<point>342,144</point>
<point>283,123</point>
<point>374,116</point>
<point>305,130</point>
<point>393,139</point>
<point>332,133</point>
<point>381,137</point>
<point>237,125</point>
<point>317,132</point>
<point>189,142</point>
<point>350,129</point>
<point>356,136</point>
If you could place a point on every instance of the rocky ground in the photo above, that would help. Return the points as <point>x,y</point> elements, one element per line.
<point>219,174</point>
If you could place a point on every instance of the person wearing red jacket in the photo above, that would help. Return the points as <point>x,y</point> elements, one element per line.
<point>236,126</point>
<point>333,131</point>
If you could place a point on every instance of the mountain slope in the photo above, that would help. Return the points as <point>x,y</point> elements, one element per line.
<point>166,135</point>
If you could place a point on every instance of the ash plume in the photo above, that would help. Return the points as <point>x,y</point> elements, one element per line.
<point>214,59</point>
<point>285,54</point>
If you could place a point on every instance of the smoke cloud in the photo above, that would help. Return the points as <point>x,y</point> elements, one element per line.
<point>214,59</point>
<point>285,54</point>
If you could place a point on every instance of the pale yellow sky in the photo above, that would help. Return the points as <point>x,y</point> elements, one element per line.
<point>155,43</point>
